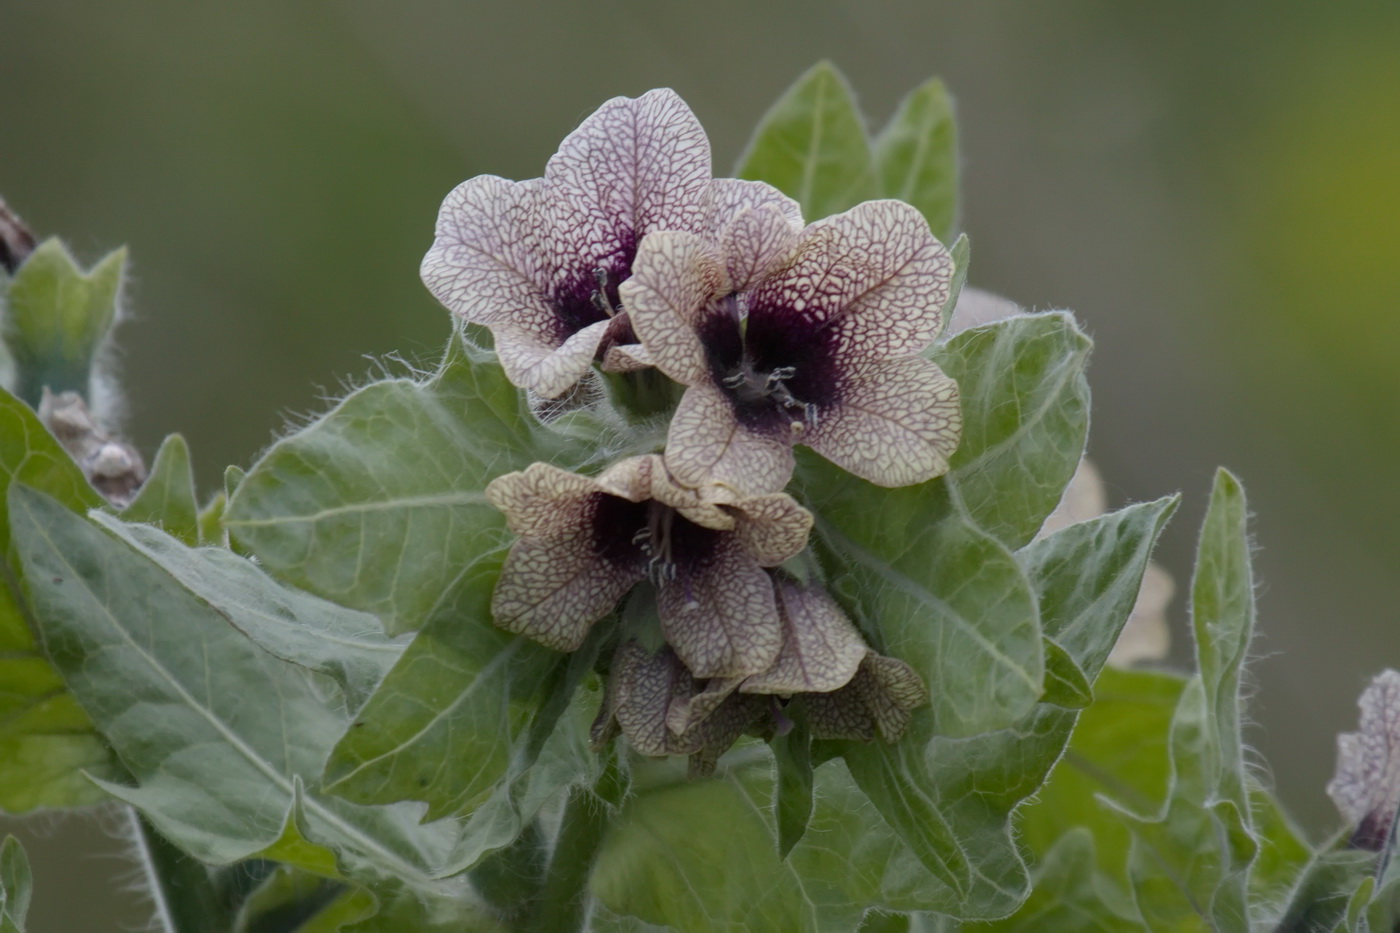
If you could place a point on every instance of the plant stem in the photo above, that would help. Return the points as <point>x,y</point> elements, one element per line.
<point>184,897</point>
<point>562,904</point>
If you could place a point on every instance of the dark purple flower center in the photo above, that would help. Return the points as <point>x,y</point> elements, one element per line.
<point>588,294</point>
<point>774,365</point>
<point>650,536</point>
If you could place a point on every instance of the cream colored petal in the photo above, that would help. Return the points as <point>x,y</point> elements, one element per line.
<point>712,736</point>
<point>1146,636</point>
<point>755,243</point>
<point>875,274</point>
<point>634,166</point>
<point>487,263</point>
<point>541,367</point>
<point>627,358</point>
<point>554,589</point>
<point>1082,500</point>
<point>733,195</point>
<point>821,650</point>
<point>630,479</point>
<point>723,620</point>
<point>897,422</point>
<point>877,701</point>
<point>644,685</point>
<point>543,500</point>
<point>772,528</point>
<point>705,444</point>
<point>688,711</point>
<point>675,277</point>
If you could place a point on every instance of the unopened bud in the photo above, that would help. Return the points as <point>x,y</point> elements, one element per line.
<point>16,242</point>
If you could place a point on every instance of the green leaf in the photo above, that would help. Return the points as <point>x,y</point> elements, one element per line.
<point>447,723</point>
<point>1284,854</point>
<point>961,251</point>
<point>1190,861</point>
<point>167,498</point>
<point>812,146</point>
<point>225,741</point>
<point>286,900</point>
<point>1320,898</point>
<point>15,884</point>
<point>57,316</point>
<point>699,857</point>
<point>933,590</point>
<point>1069,895</point>
<point>46,740</point>
<point>792,802</point>
<point>917,156</point>
<point>379,505</point>
<point>949,800</point>
<point>1065,683</point>
<point>347,646</point>
<point>1025,419</point>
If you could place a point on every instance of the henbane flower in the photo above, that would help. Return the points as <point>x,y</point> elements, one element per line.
<point>585,541</point>
<point>809,337</point>
<point>540,261</point>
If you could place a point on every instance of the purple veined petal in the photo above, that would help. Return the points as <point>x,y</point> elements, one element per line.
<point>875,275</point>
<point>634,166</point>
<point>772,528</point>
<point>822,650</point>
<point>486,263</point>
<point>877,702</point>
<point>688,711</point>
<point>722,620</point>
<point>755,243</point>
<point>554,589</point>
<point>643,685</point>
<point>543,500</point>
<point>733,195</point>
<point>543,367</point>
<point>706,444</point>
<point>627,358</point>
<point>675,277</point>
<point>897,422</point>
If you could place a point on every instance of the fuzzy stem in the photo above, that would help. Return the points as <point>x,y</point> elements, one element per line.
<point>184,897</point>
<point>562,904</point>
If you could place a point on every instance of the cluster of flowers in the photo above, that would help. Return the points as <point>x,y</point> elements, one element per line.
<point>627,254</point>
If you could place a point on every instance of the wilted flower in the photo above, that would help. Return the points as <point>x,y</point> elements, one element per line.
<point>809,337</point>
<point>847,690</point>
<point>877,702</point>
<point>1366,788</point>
<point>539,262</point>
<point>585,541</point>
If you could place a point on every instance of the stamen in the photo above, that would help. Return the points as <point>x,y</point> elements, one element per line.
<point>599,298</point>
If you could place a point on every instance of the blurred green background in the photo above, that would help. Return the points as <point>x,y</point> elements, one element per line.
<point>1213,187</point>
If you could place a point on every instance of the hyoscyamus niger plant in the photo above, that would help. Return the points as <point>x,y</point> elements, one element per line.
<point>717,578</point>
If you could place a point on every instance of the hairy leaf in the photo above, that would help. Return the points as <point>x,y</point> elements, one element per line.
<point>57,316</point>
<point>225,741</point>
<point>945,802</point>
<point>167,498</point>
<point>1190,860</point>
<point>15,884</point>
<point>917,156</point>
<point>348,646</point>
<point>812,146</point>
<point>379,505</point>
<point>1025,419</point>
<point>46,740</point>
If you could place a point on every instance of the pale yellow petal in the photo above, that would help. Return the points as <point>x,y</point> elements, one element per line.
<point>755,243</point>
<point>874,274</point>
<point>772,528</point>
<point>543,500</point>
<point>644,684</point>
<point>897,422</point>
<point>706,444</point>
<point>877,701</point>
<point>688,711</point>
<point>675,277</point>
<point>554,589</point>
<point>547,369</point>
<point>723,620</point>
<point>822,650</point>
